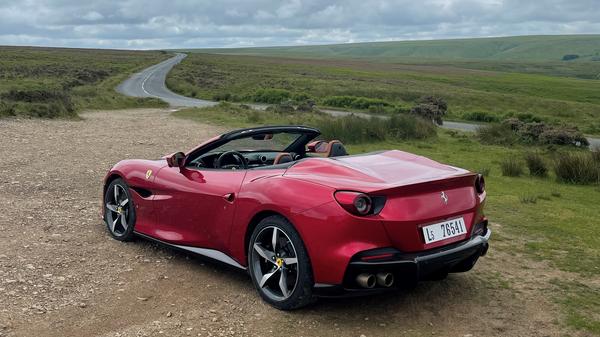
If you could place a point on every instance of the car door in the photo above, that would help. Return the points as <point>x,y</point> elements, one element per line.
<point>195,207</point>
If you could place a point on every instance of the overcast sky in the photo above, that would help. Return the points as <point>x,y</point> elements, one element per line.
<point>146,24</point>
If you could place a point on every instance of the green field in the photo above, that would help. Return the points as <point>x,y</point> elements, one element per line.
<point>515,48</point>
<point>527,54</point>
<point>540,218</point>
<point>395,86</point>
<point>55,82</point>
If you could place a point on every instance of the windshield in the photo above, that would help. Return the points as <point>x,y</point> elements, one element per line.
<point>277,142</point>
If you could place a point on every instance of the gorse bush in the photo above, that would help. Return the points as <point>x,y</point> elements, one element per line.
<point>536,164</point>
<point>577,168</point>
<point>511,167</point>
<point>355,130</point>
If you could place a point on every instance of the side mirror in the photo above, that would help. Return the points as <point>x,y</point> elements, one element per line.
<point>176,160</point>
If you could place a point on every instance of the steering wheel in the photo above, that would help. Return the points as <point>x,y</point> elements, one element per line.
<point>239,158</point>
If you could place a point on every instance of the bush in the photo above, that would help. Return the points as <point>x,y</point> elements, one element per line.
<point>354,102</point>
<point>577,168</point>
<point>271,96</point>
<point>479,116</point>
<point>570,57</point>
<point>431,108</point>
<point>513,130</point>
<point>497,134</point>
<point>563,135</point>
<point>46,103</point>
<point>536,164</point>
<point>511,167</point>
<point>356,130</point>
<point>222,96</point>
<point>529,118</point>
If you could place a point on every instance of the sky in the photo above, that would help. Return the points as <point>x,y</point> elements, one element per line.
<point>148,24</point>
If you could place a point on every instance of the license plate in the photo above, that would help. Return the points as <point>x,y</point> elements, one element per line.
<point>444,230</point>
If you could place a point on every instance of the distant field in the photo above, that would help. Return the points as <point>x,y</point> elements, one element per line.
<point>515,48</point>
<point>394,87</point>
<point>55,82</point>
<point>527,54</point>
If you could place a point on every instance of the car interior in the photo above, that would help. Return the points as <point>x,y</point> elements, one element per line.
<point>251,153</point>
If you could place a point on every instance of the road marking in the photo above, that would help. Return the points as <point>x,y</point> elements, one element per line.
<point>144,84</point>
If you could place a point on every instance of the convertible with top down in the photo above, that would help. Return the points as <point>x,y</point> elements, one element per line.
<point>303,217</point>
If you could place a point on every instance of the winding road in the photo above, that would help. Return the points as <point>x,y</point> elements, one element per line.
<point>150,82</point>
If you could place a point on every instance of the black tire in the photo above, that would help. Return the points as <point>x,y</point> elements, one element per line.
<point>301,295</point>
<point>120,208</point>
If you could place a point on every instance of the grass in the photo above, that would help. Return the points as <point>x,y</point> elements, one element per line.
<point>536,164</point>
<point>577,167</point>
<point>349,129</point>
<point>556,221</point>
<point>391,87</point>
<point>57,82</point>
<point>511,167</point>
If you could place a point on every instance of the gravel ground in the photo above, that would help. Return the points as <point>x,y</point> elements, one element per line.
<point>62,275</point>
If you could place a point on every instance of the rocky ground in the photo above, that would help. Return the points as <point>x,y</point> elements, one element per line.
<point>62,275</point>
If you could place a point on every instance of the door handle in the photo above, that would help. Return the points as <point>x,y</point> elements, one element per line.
<point>229,197</point>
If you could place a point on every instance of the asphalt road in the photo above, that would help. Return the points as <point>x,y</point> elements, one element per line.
<point>150,82</point>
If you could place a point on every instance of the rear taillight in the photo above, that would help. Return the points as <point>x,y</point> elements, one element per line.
<point>480,184</point>
<point>359,203</point>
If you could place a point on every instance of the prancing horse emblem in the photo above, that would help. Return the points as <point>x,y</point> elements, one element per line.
<point>444,197</point>
<point>148,174</point>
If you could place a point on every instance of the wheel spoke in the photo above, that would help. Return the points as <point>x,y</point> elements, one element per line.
<point>123,222</point>
<point>267,255</point>
<point>124,202</point>
<point>283,284</point>
<point>116,194</point>
<point>290,260</point>
<point>274,240</point>
<point>114,223</point>
<point>112,208</point>
<point>266,277</point>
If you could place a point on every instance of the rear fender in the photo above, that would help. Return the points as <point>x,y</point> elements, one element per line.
<point>275,194</point>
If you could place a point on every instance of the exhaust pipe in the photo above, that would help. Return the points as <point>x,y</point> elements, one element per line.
<point>385,279</point>
<point>366,280</point>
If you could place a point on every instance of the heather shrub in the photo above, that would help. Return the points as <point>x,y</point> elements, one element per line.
<point>431,108</point>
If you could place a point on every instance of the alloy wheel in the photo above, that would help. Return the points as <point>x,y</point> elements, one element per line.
<point>275,263</point>
<point>118,206</point>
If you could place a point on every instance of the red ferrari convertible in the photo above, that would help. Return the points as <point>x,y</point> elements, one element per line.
<point>303,217</point>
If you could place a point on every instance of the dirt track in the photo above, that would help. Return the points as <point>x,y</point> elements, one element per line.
<point>62,275</point>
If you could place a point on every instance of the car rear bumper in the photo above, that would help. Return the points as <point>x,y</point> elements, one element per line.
<point>408,268</point>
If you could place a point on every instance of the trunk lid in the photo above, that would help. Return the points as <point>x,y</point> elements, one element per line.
<point>412,185</point>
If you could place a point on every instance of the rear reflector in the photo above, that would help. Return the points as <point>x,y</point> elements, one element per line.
<point>377,257</point>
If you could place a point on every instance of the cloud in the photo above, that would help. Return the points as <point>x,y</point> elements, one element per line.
<point>147,24</point>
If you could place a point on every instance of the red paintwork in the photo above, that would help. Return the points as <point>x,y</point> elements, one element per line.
<point>189,206</point>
